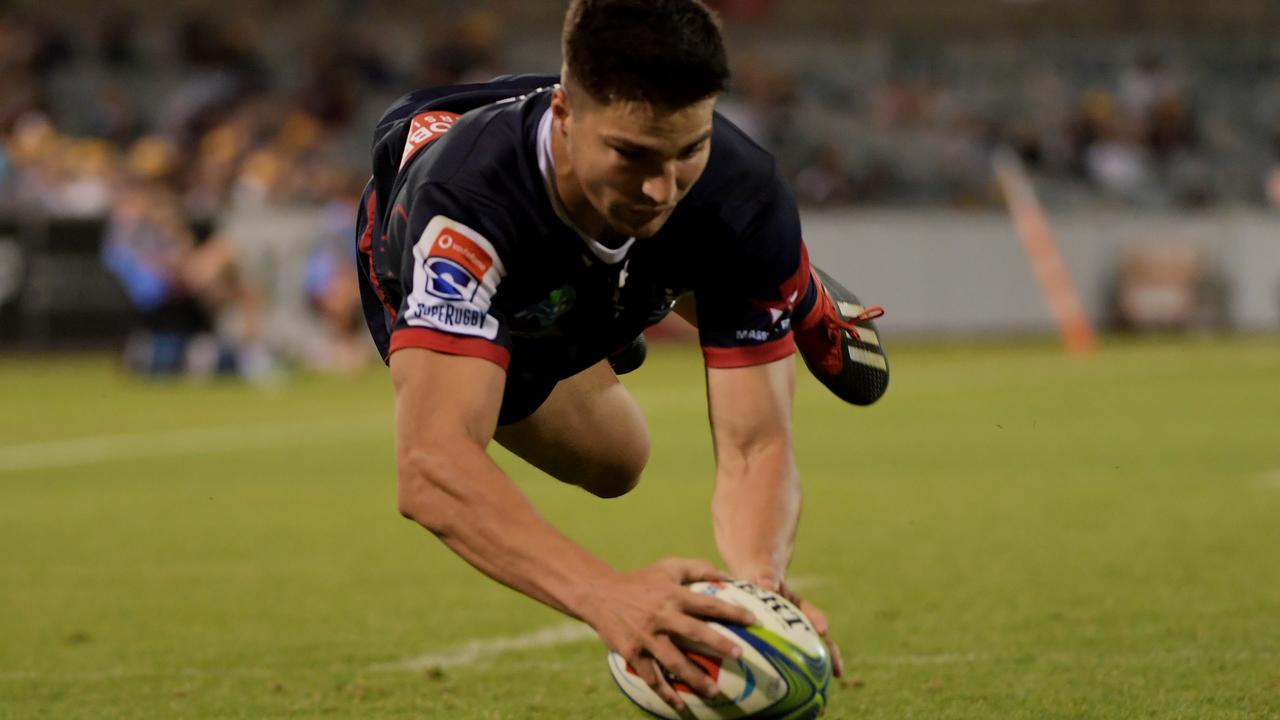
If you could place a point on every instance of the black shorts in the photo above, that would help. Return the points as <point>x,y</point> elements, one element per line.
<point>522,397</point>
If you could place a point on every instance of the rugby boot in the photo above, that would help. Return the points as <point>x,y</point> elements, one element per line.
<point>840,345</point>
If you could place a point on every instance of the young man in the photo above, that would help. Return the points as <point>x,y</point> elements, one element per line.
<point>517,234</point>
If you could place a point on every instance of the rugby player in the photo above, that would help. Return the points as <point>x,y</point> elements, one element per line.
<point>520,234</point>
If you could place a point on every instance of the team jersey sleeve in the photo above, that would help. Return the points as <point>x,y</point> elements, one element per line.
<point>451,266</point>
<point>745,303</point>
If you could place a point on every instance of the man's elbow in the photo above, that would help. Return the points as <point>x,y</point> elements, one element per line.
<point>743,453</point>
<point>421,494</point>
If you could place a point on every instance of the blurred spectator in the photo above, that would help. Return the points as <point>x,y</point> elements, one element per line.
<point>117,38</point>
<point>826,181</point>
<point>149,247</point>
<point>761,102</point>
<point>86,172</point>
<point>33,156</point>
<point>744,11</point>
<point>343,345</point>
<point>219,72</point>
<point>464,50</point>
<point>1146,83</point>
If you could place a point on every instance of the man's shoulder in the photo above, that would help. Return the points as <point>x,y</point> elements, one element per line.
<point>446,123</point>
<point>484,160</point>
<point>460,98</point>
<point>739,170</point>
<point>493,142</point>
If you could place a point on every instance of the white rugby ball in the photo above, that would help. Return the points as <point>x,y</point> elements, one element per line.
<point>783,674</point>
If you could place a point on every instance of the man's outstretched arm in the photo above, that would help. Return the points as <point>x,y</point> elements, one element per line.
<point>446,412</point>
<point>756,505</point>
<point>757,497</point>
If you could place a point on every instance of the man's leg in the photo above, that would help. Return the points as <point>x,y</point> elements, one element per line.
<point>589,432</point>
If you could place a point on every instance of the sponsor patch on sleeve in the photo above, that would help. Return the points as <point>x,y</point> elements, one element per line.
<point>456,273</point>
<point>425,128</point>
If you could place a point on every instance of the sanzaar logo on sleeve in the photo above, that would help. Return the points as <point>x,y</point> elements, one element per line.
<point>456,274</point>
<point>448,280</point>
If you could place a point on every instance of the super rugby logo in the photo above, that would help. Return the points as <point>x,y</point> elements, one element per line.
<point>445,279</point>
<point>454,266</point>
<point>456,274</point>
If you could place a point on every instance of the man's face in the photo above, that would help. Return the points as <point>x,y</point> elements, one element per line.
<point>635,161</point>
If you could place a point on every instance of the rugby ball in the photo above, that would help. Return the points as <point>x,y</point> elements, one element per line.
<point>783,674</point>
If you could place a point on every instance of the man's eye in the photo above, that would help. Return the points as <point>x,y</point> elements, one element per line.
<point>691,152</point>
<point>628,154</point>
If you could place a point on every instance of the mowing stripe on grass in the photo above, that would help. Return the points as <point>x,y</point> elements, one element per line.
<point>125,673</point>
<point>104,448</point>
<point>1186,657</point>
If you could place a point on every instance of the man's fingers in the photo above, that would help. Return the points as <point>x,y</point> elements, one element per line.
<point>837,662</point>
<point>785,591</point>
<point>688,570</point>
<point>699,633</point>
<point>649,671</point>
<point>677,663</point>
<point>713,608</point>
<point>817,618</point>
<point>770,583</point>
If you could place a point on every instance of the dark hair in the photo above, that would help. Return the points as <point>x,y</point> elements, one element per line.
<point>664,52</point>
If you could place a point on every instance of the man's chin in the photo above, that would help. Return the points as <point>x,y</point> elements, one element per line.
<point>642,230</point>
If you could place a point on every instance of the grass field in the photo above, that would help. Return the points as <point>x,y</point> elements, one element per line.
<point>1009,534</point>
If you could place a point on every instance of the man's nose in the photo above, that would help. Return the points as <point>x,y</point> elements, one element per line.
<point>661,188</point>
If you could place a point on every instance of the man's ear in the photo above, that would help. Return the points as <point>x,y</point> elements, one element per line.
<point>560,109</point>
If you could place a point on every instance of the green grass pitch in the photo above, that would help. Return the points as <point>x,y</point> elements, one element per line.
<point>1008,534</point>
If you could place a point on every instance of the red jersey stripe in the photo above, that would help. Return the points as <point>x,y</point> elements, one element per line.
<point>414,337</point>
<point>746,356</point>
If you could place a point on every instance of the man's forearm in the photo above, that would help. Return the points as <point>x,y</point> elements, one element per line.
<point>755,511</point>
<point>470,504</point>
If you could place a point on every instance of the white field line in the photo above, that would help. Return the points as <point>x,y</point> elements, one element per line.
<point>896,660</point>
<point>103,448</point>
<point>801,583</point>
<point>479,650</point>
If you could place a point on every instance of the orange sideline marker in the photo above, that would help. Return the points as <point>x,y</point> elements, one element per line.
<point>1032,226</point>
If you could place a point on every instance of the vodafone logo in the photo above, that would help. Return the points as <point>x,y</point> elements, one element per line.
<point>425,128</point>
<point>463,251</point>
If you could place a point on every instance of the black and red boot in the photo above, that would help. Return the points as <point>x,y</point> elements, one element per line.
<point>840,345</point>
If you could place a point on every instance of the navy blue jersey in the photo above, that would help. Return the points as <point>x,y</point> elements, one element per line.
<point>464,248</point>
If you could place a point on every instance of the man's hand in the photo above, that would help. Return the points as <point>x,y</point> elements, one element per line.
<point>641,614</point>
<point>816,617</point>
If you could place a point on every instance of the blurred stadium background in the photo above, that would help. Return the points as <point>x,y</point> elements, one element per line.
<point>192,166</point>
<point>1025,536</point>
